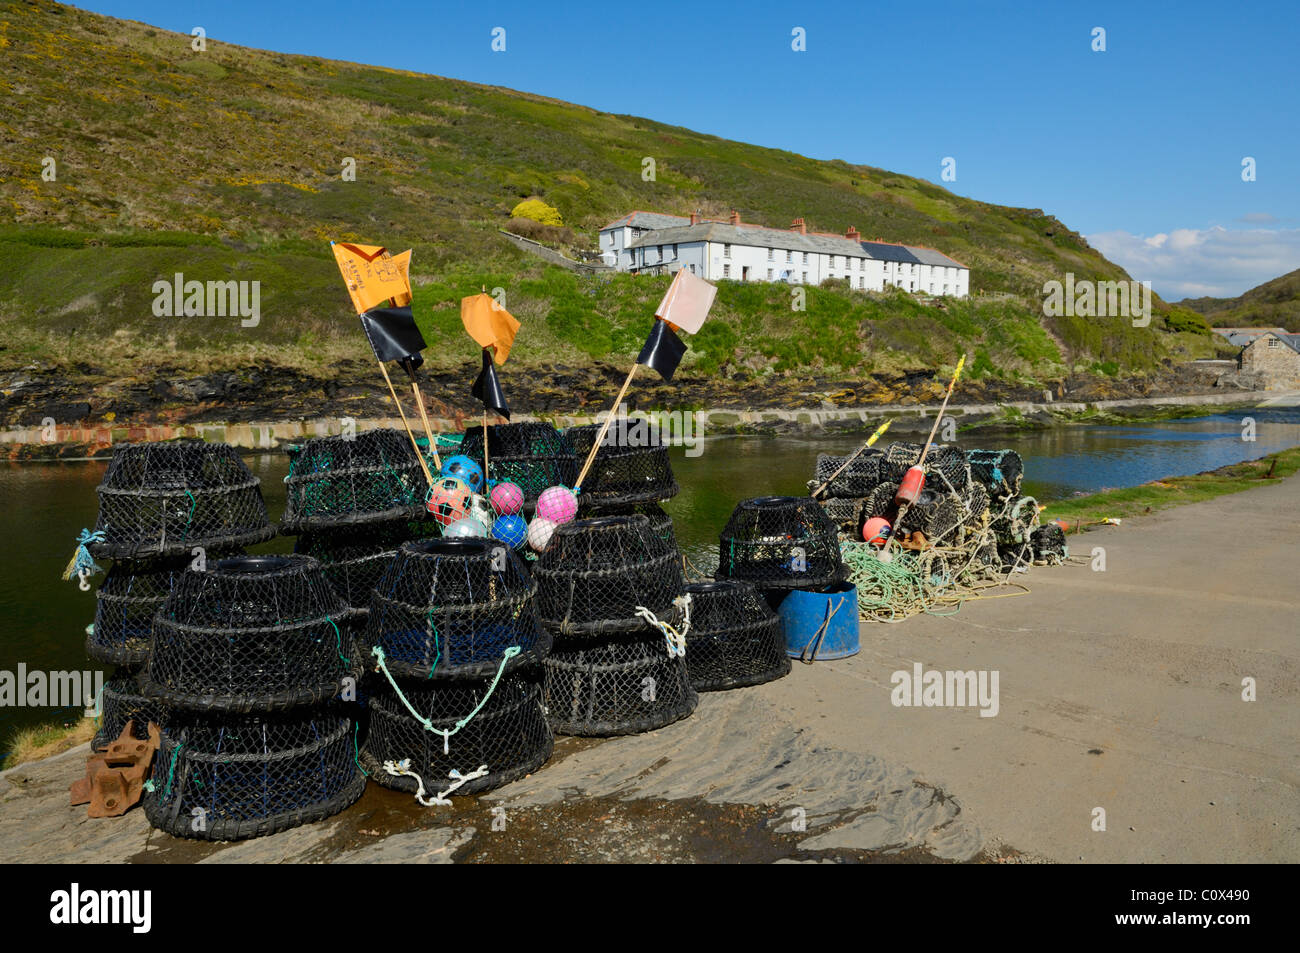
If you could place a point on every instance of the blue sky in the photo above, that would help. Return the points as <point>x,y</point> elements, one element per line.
<point>1139,147</point>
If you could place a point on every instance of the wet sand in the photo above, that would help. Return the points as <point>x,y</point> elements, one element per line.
<point>1118,689</point>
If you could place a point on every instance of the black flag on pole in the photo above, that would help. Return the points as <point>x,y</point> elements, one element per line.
<point>663,350</point>
<point>488,389</point>
<point>393,335</point>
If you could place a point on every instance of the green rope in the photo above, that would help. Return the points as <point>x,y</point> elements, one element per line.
<point>189,519</point>
<point>426,723</point>
<point>356,748</point>
<point>171,771</point>
<point>437,645</point>
<point>338,641</point>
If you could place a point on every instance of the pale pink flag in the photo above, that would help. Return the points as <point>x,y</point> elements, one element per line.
<point>687,302</point>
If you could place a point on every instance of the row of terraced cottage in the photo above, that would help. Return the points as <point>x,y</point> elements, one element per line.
<point>653,243</point>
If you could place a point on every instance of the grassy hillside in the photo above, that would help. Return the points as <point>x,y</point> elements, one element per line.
<point>226,164</point>
<point>1274,304</point>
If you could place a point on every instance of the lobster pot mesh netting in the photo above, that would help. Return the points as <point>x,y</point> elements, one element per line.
<point>858,479</point>
<point>630,467</point>
<point>936,514</point>
<point>780,542</point>
<point>616,684</point>
<point>123,701</point>
<point>1015,555</point>
<point>532,455</point>
<point>1048,543</point>
<point>976,500</point>
<point>595,573</point>
<point>355,559</point>
<point>132,591</point>
<point>252,633</point>
<point>509,735</point>
<point>1000,471</point>
<point>945,465</point>
<point>661,524</point>
<point>341,481</point>
<point>164,499</point>
<point>231,777</point>
<point>846,513</point>
<point>449,608</point>
<point>735,638</point>
<point>1015,520</point>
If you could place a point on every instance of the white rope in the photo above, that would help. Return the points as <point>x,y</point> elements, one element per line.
<point>673,638</point>
<point>403,769</point>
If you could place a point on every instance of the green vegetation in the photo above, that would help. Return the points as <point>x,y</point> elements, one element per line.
<point>227,165</point>
<point>1274,304</point>
<point>44,741</point>
<point>1174,491</point>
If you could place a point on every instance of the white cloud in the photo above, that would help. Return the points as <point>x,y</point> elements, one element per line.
<point>1190,262</point>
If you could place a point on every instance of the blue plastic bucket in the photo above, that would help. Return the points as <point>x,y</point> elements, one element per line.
<point>804,611</point>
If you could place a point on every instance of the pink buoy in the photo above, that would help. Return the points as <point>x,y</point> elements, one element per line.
<point>557,504</point>
<point>877,531</point>
<point>507,499</point>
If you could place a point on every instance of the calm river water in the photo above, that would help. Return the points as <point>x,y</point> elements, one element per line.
<point>45,505</point>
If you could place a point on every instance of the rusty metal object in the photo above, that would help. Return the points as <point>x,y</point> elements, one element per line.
<point>915,540</point>
<point>114,780</point>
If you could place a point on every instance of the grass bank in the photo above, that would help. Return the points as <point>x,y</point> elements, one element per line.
<point>1175,491</point>
<point>44,741</point>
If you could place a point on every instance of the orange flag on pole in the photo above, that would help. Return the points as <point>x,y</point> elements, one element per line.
<point>372,275</point>
<point>489,324</point>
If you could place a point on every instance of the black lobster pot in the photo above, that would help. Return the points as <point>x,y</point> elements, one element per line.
<point>1000,471</point>
<point>355,559</point>
<point>1015,520</point>
<point>1049,546</point>
<point>533,455</point>
<point>735,638</point>
<point>449,608</point>
<point>936,513</point>
<point>976,504</point>
<point>661,524</point>
<point>630,467</point>
<point>132,591</point>
<point>251,633</point>
<point>123,700</point>
<point>340,481</point>
<point>846,513</point>
<point>228,777</point>
<point>595,574</point>
<point>858,479</point>
<point>509,734</point>
<point>780,542</point>
<point>166,499</point>
<point>945,465</point>
<point>616,684</point>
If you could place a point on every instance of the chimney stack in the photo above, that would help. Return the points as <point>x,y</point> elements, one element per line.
<point>798,226</point>
<point>695,218</point>
<point>852,234</point>
<point>735,217</point>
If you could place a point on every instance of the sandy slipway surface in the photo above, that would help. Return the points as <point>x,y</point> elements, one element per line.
<point>1118,689</point>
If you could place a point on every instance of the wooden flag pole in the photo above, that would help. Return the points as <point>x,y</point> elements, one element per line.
<point>418,455</point>
<point>428,431</point>
<point>944,406</point>
<point>485,447</point>
<point>600,438</point>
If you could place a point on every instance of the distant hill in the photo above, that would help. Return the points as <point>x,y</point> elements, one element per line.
<point>225,164</point>
<point>1275,303</point>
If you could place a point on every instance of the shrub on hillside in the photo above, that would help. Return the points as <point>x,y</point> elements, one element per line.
<point>538,211</point>
<point>547,234</point>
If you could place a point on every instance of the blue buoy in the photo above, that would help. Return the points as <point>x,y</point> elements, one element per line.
<point>808,635</point>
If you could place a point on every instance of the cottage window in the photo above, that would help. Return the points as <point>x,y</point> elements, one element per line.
<point>1273,342</point>
<point>726,251</point>
<point>789,257</point>
<point>805,258</point>
<point>804,279</point>
<point>771,253</point>
<point>674,249</point>
<point>769,274</point>
<point>726,271</point>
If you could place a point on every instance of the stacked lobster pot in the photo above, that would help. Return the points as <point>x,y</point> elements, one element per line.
<point>610,593</point>
<point>846,496</point>
<point>943,508</point>
<point>735,638</point>
<point>533,455</point>
<point>630,474</point>
<point>1012,516</point>
<point>788,549</point>
<point>455,704</point>
<point>162,508</point>
<point>250,657</point>
<point>352,501</point>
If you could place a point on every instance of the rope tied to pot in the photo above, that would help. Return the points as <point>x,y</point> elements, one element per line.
<point>674,638</point>
<point>402,768</point>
